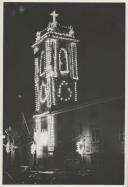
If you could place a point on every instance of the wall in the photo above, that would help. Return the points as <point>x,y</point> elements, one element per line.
<point>108,118</point>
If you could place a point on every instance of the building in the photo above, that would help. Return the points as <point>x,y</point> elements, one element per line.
<point>93,133</point>
<point>56,77</point>
<point>66,133</point>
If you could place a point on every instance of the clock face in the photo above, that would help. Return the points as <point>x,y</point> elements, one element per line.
<point>43,93</point>
<point>64,91</point>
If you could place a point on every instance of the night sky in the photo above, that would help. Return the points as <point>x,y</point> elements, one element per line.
<point>101,58</point>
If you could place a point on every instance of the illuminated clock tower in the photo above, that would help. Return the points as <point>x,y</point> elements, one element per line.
<point>56,77</point>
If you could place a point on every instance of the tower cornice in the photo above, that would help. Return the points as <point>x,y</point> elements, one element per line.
<point>54,35</point>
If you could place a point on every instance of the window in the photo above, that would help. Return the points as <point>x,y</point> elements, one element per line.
<point>95,134</point>
<point>43,93</point>
<point>42,62</point>
<point>63,61</point>
<point>96,137</point>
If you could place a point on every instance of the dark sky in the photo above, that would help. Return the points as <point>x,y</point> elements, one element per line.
<point>100,28</point>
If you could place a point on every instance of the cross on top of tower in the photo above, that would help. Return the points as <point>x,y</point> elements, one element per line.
<point>54,15</point>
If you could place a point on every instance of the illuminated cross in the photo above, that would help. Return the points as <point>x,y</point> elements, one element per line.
<point>54,15</point>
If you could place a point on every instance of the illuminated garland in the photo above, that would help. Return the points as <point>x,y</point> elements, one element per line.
<point>76,64</point>
<point>41,114</point>
<point>60,62</point>
<point>36,49</point>
<point>38,36</point>
<point>33,148</point>
<point>38,124</point>
<point>51,132</point>
<point>48,90</point>
<point>53,92</point>
<point>50,85</point>
<point>41,88</point>
<point>70,62</point>
<point>71,31</point>
<point>61,34</point>
<point>40,139</point>
<point>37,130</point>
<point>10,147</point>
<point>74,61</point>
<point>62,38</point>
<point>84,146</point>
<point>35,136</point>
<point>54,41</point>
<point>42,62</point>
<point>55,58</point>
<point>48,57</point>
<point>75,91</point>
<point>41,39</point>
<point>36,85</point>
<point>64,26</point>
<point>80,147</point>
<point>43,137</point>
<point>64,83</point>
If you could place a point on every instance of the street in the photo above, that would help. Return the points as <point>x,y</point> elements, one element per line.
<point>57,177</point>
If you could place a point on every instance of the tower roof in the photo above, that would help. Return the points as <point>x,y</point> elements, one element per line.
<point>55,30</point>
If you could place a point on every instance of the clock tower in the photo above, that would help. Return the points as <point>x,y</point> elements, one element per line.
<point>56,77</point>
